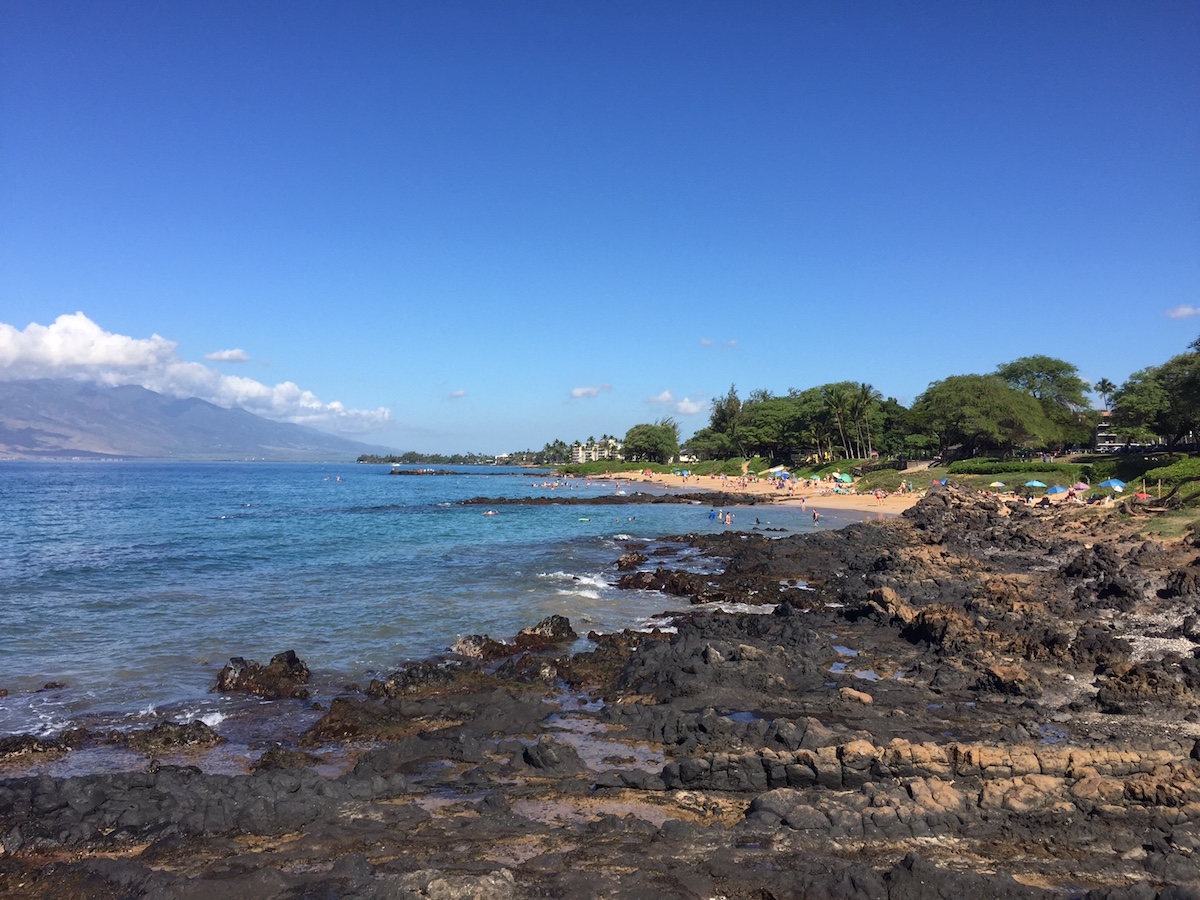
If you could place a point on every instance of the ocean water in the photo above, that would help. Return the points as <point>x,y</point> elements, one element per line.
<point>131,584</point>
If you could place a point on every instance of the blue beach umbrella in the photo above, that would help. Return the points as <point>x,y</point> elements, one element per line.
<point>1057,489</point>
<point>1115,483</point>
<point>1034,484</point>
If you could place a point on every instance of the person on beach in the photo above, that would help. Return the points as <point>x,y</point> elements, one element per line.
<point>816,516</point>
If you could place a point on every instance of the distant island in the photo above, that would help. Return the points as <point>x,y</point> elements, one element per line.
<point>413,458</point>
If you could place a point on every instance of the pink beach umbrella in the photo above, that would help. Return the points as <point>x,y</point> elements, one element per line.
<point>1080,486</point>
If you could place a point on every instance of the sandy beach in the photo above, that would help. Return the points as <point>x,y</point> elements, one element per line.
<point>818,498</point>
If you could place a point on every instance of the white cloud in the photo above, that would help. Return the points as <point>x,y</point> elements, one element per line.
<point>588,392</point>
<point>684,407</point>
<point>1183,312</point>
<point>76,347</point>
<point>457,395</point>
<point>706,342</point>
<point>234,356</point>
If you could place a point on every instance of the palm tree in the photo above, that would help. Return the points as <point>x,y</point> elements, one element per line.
<point>1105,389</point>
<point>837,402</point>
<point>867,398</point>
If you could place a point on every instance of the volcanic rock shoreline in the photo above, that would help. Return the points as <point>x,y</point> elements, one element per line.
<point>974,699</point>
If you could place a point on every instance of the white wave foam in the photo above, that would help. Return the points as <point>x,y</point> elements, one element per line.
<point>592,580</point>
<point>584,594</point>
<point>761,609</point>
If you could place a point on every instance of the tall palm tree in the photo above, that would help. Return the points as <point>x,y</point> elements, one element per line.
<point>1105,389</point>
<point>837,401</point>
<point>867,398</point>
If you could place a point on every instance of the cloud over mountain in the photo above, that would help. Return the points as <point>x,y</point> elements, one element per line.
<point>235,356</point>
<point>76,347</point>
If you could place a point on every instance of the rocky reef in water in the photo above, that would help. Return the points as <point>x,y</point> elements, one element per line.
<point>974,699</point>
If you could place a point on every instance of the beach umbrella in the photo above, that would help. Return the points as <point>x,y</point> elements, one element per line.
<point>1080,486</point>
<point>1034,484</point>
<point>845,478</point>
<point>1115,483</point>
<point>1057,489</point>
<point>996,484</point>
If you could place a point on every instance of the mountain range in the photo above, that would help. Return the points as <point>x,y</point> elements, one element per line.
<point>57,419</point>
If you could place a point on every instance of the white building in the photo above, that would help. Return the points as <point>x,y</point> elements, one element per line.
<point>597,450</point>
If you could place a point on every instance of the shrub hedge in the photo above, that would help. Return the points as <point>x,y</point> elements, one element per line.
<point>1000,467</point>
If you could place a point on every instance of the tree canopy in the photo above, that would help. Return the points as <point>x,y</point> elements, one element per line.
<point>981,413</point>
<point>1161,401</point>
<point>1056,385</point>
<point>652,443</point>
<point>1033,403</point>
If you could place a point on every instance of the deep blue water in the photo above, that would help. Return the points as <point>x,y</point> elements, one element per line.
<point>131,584</point>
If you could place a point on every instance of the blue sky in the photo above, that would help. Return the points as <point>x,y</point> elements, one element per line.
<point>481,226</point>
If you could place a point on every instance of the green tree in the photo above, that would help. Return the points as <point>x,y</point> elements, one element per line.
<point>770,427</point>
<point>837,402</point>
<point>1056,385</point>
<point>980,413</point>
<point>1162,401</point>
<point>894,427</point>
<point>708,444</point>
<point>657,442</point>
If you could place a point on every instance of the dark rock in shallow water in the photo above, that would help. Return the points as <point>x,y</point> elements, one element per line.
<point>549,634</point>
<point>552,633</point>
<point>482,647</point>
<point>16,745</point>
<point>282,678</point>
<point>169,736</point>
<point>415,678</point>
<point>630,561</point>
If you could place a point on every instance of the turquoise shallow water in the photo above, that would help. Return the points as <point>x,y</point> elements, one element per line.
<point>132,583</point>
